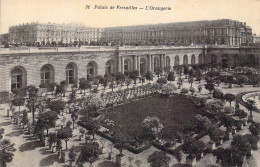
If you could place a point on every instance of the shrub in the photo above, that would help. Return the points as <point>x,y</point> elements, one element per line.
<point>184,91</point>
<point>228,109</point>
<point>240,113</point>
<point>162,81</point>
<point>218,94</point>
<point>168,88</point>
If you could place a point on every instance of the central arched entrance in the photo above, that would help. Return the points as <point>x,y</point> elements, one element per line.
<point>18,77</point>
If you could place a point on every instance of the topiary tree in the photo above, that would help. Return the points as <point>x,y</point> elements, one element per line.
<point>171,76</point>
<point>157,159</point>
<point>180,82</point>
<point>229,97</point>
<point>52,138</point>
<point>47,120</point>
<point>210,87</point>
<point>242,79</point>
<point>192,147</point>
<point>223,156</point>
<point>191,81</point>
<point>18,101</point>
<point>65,134</point>
<point>120,141</point>
<point>158,71</point>
<point>216,134</point>
<point>241,143</point>
<point>134,75</point>
<point>254,128</point>
<point>149,76</point>
<point>186,70</point>
<point>57,106</point>
<point>89,153</point>
<point>93,127</point>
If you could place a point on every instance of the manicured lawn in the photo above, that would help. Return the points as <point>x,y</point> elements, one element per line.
<point>175,113</point>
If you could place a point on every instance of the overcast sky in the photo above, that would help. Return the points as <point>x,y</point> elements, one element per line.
<point>15,12</point>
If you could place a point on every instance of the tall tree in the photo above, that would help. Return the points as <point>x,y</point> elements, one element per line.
<point>33,96</point>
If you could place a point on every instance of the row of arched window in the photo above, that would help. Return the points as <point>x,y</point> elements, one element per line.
<point>47,72</point>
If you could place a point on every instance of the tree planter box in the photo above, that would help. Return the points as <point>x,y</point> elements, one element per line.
<point>245,122</point>
<point>240,127</point>
<point>119,159</point>
<point>53,149</point>
<point>62,157</point>
<point>251,118</point>
<point>228,135</point>
<point>211,145</point>
<point>191,161</point>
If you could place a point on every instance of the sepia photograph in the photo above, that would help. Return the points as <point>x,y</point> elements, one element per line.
<point>129,83</point>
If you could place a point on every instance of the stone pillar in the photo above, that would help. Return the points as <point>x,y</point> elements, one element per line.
<point>118,64</point>
<point>149,66</point>
<point>138,64</point>
<point>123,65</point>
<point>162,61</point>
<point>135,62</point>
<point>152,63</point>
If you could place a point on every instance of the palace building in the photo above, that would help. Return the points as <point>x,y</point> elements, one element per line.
<point>65,33</point>
<point>224,32</point>
<point>221,32</point>
<point>222,42</point>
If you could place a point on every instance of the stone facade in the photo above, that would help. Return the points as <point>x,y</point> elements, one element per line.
<point>223,32</point>
<point>65,33</point>
<point>33,66</point>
